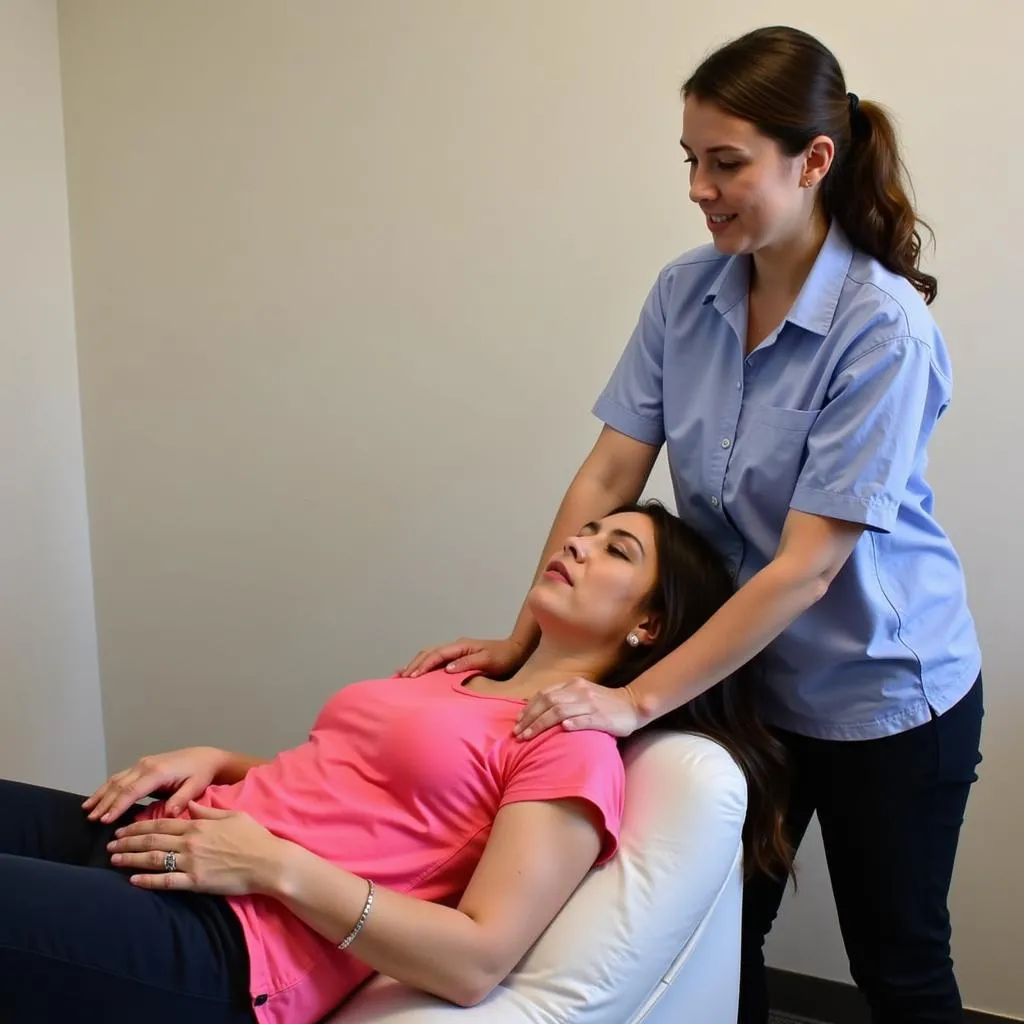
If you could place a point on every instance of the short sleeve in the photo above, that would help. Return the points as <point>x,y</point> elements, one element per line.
<point>871,434</point>
<point>631,402</point>
<point>560,765</point>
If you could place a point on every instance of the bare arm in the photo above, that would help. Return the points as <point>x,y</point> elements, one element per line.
<point>536,856</point>
<point>811,552</point>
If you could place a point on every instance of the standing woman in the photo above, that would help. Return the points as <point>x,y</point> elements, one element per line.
<point>796,376</point>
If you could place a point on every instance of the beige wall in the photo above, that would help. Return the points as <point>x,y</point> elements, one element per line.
<point>348,278</point>
<point>51,730</point>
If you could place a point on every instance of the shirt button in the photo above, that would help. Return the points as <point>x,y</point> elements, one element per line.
<point>726,443</point>
<point>714,502</point>
<point>739,384</point>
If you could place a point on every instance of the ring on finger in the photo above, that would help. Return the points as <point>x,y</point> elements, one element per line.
<point>170,862</point>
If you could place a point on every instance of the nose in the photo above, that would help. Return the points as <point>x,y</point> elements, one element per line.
<point>575,547</point>
<point>701,189</point>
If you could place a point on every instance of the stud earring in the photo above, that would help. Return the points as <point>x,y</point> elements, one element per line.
<point>633,640</point>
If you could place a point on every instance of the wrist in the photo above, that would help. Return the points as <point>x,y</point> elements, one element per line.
<point>643,706</point>
<point>225,761</point>
<point>275,873</point>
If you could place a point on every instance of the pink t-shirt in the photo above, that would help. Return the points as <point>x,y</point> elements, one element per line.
<point>400,781</point>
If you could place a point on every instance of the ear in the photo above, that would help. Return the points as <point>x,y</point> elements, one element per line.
<point>817,159</point>
<point>648,630</point>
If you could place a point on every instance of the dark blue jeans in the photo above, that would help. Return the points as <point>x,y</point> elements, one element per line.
<point>890,812</point>
<point>79,942</point>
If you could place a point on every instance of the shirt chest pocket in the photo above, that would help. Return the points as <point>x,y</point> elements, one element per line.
<point>770,450</point>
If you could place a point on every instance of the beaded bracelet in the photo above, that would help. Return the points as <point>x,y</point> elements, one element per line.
<point>347,941</point>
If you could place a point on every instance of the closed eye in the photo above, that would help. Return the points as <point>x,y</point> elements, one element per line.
<point>618,552</point>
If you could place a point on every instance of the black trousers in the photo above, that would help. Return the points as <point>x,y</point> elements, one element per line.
<point>79,942</point>
<point>890,812</point>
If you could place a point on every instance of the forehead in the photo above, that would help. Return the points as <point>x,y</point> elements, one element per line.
<point>706,125</point>
<point>635,523</point>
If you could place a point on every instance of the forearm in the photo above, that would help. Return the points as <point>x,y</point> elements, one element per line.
<point>754,616</point>
<point>235,766</point>
<point>588,498</point>
<point>428,946</point>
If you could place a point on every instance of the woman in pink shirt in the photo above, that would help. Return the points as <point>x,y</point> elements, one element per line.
<point>411,834</point>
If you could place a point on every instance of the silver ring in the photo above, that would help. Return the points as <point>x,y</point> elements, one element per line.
<point>170,862</point>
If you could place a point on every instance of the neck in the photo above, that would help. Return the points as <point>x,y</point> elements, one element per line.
<point>551,664</point>
<point>781,269</point>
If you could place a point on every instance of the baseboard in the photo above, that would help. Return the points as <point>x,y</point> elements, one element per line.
<point>836,1002</point>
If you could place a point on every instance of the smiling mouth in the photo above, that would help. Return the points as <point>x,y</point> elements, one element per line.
<point>721,218</point>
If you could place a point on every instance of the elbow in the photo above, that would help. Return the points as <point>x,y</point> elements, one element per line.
<point>479,975</point>
<point>467,997</point>
<point>473,988</point>
<point>807,584</point>
<point>818,587</point>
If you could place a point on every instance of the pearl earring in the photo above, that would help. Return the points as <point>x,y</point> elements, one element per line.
<point>633,640</point>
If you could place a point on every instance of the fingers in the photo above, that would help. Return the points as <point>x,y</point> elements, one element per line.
<point>183,796</point>
<point>569,716</point>
<point>426,661</point>
<point>161,826</point>
<point>146,853</point>
<point>116,796</point>
<point>469,662</point>
<point>202,811</point>
<point>91,801</point>
<point>435,657</point>
<point>416,664</point>
<point>552,706</point>
<point>164,880</point>
<point>147,843</point>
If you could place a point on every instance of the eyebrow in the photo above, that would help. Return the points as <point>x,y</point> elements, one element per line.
<point>616,532</point>
<point>714,149</point>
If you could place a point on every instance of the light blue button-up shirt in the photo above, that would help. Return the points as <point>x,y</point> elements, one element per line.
<point>830,414</point>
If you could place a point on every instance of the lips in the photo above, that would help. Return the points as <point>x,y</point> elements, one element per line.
<point>716,226</point>
<point>558,568</point>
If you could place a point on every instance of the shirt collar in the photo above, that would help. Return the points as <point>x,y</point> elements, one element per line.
<point>815,306</point>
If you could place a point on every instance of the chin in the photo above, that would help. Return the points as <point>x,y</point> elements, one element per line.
<point>555,618</point>
<point>728,246</point>
<point>544,605</point>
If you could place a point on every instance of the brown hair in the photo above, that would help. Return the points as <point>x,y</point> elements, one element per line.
<point>791,88</point>
<point>692,585</point>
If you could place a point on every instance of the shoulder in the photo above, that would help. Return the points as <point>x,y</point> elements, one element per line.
<point>583,754</point>
<point>690,277</point>
<point>879,308</point>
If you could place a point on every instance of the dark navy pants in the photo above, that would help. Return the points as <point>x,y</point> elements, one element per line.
<point>79,942</point>
<point>890,812</point>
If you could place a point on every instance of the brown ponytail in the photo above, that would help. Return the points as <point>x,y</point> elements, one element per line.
<point>791,88</point>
